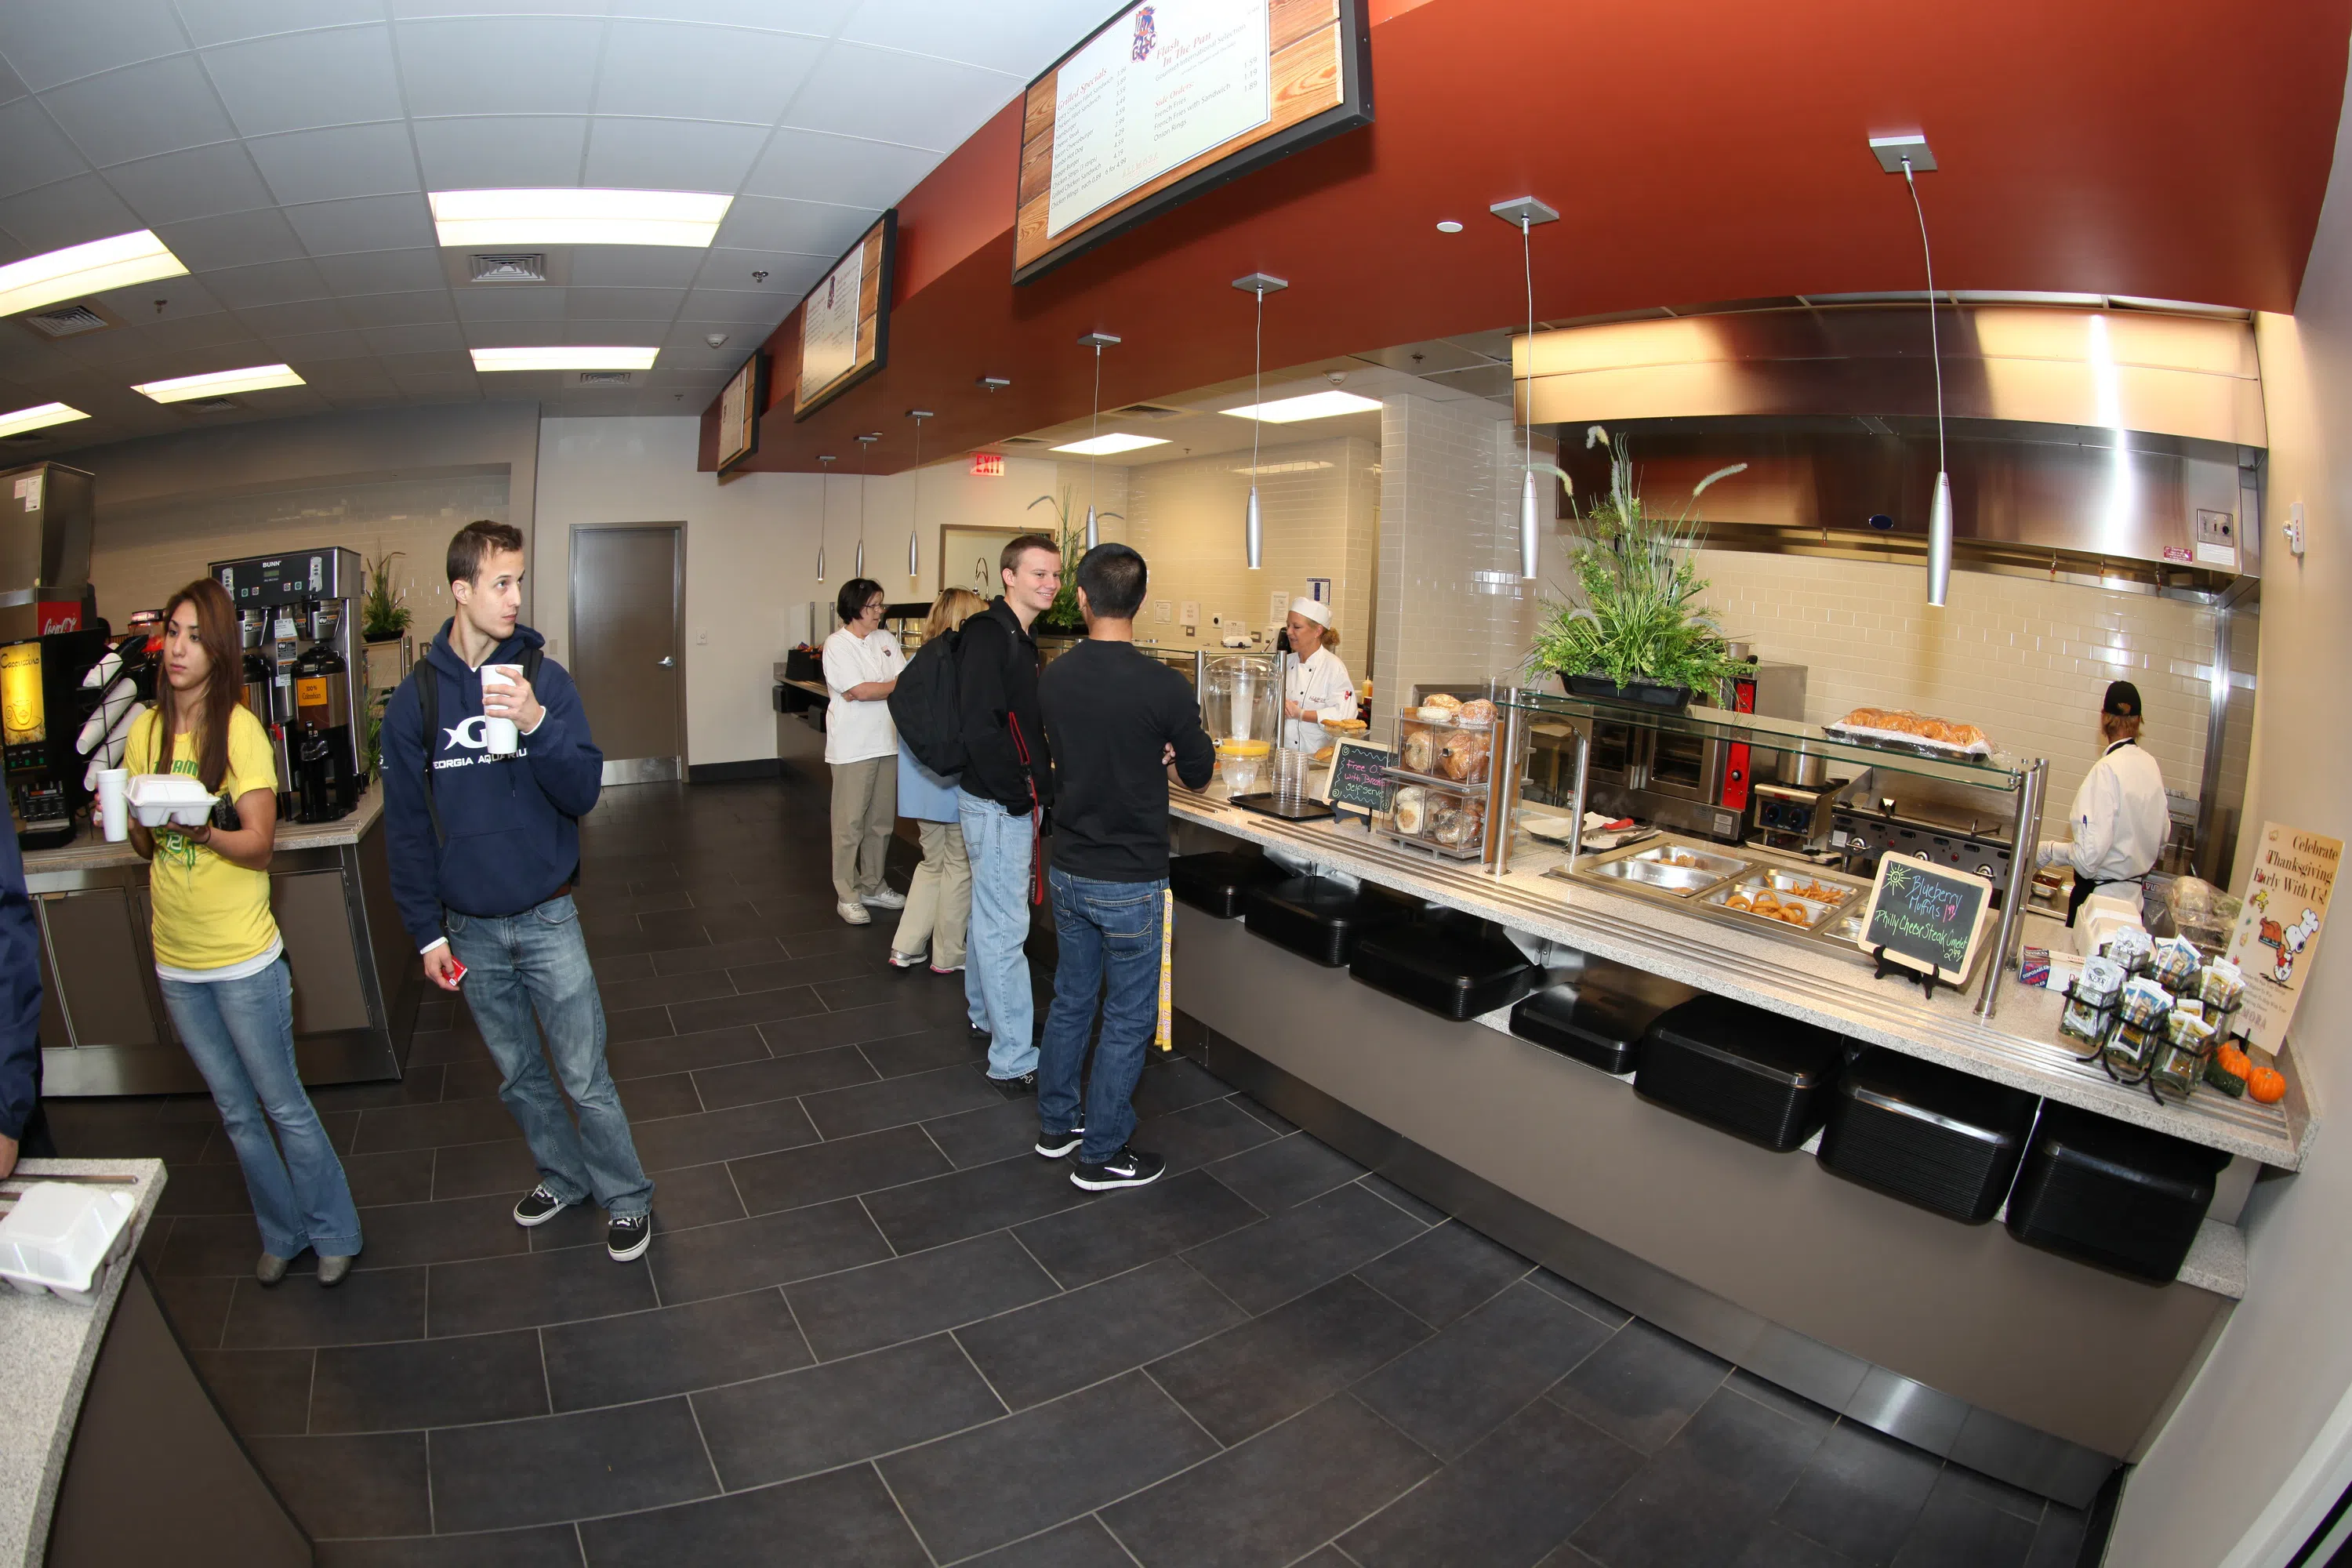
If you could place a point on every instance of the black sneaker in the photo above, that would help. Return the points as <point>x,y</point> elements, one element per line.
<point>626,1236</point>
<point>1127,1168</point>
<point>1025,1084</point>
<point>980,1036</point>
<point>538,1207</point>
<point>1054,1145</point>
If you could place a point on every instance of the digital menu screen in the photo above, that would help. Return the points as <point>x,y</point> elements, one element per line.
<point>845,322</point>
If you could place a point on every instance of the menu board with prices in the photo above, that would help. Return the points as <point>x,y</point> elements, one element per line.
<point>844,322</point>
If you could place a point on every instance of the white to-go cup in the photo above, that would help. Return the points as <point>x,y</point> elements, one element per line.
<point>499,736</point>
<point>113,808</point>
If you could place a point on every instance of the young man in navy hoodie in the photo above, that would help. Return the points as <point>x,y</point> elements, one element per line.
<point>483,851</point>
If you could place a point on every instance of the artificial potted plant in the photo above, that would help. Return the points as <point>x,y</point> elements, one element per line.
<point>1063,615</point>
<point>384,612</point>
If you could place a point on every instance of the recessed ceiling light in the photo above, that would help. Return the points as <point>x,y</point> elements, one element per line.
<point>38,418</point>
<point>1103,446</point>
<point>1449,225</point>
<point>577,217</point>
<point>565,358</point>
<point>219,382</point>
<point>1314,405</point>
<point>91,269</point>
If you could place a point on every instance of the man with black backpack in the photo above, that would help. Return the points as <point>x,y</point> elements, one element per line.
<point>483,795</point>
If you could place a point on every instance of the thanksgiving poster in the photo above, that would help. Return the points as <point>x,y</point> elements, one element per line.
<point>2277,937</point>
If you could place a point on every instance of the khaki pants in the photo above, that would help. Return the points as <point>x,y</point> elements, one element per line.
<point>864,809</point>
<point>938,900</point>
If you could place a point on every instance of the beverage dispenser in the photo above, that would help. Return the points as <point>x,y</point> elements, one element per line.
<point>1241,701</point>
<point>296,618</point>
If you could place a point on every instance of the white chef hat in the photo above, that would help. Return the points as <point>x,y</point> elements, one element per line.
<point>1315,610</point>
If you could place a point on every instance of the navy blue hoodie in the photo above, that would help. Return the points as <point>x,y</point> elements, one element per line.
<point>512,824</point>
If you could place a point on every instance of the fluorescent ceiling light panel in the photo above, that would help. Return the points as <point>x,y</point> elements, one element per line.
<point>220,382</point>
<point>1314,405</point>
<point>578,217</point>
<point>1103,446</point>
<point>79,269</point>
<point>39,418</point>
<point>565,358</point>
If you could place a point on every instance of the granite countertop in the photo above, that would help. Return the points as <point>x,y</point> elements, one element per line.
<point>1818,983</point>
<point>48,1346</point>
<point>91,852</point>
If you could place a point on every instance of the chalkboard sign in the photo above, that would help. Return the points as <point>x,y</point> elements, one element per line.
<point>1359,777</point>
<point>1928,918</point>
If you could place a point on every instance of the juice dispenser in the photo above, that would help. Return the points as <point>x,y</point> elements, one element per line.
<point>1240,703</point>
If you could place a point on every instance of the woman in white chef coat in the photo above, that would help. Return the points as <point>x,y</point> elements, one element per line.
<point>2120,819</point>
<point>1319,686</point>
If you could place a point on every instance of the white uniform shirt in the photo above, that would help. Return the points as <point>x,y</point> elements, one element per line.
<point>2120,820</point>
<point>1320,686</point>
<point>855,732</point>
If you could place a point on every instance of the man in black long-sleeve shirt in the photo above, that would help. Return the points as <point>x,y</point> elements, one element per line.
<point>1119,719</point>
<point>20,1008</point>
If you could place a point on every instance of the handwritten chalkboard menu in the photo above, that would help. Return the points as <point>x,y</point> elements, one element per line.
<point>1928,918</point>
<point>1358,776</point>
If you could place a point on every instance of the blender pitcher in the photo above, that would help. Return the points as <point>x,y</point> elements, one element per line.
<point>1239,704</point>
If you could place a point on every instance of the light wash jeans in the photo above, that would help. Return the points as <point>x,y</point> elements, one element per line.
<point>1109,931</point>
<point>535,962</point>
<point>240,1034</point>
<point>996,963</point>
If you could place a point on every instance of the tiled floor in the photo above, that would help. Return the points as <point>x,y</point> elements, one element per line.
<point>873,1330</point>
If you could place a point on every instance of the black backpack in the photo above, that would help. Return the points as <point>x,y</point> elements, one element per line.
<point>428,709</point>
<point>927,707</point>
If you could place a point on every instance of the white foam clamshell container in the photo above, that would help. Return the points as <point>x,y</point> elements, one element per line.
<point>58,1236</point>
<point>158,798</point>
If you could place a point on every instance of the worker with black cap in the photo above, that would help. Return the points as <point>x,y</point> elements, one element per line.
<point>2120,819</point>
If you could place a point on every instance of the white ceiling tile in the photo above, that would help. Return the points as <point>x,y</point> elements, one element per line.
<point>300,81</point>
<point>622,304</point>
<point>404,10</point>
<point>729,305</point>
<point>398,309</point>
<point>811,166</point>
<point>301,350</point>
<point>140,110</point>
<point>818,18</point>
<point>353,374</point>
<point>212,22</point>
<point>68,212</point>
<point>38,152</point>
<point>890,96</point>
<point>505,65</point>
<point>501,153</point>
<point>48,44</point>
<point>380,271</point>
<point>203,182</point>
<point>702,73</point>
<point>271,283</point>
<point>630,266</point>
<point>343,161</point>
<point>294,317</point>
<point>494,302</point>
<point>429,338</point>
<point>440,361</point>
<point>670,154</point>
<point>808,228</point>
<point>143,340</point>
<point>181,297</point>
<point>606,333</point>
<point>790,273</point>
<point>513,335</point>
<point>1021,40</point>
<point>12,86</point>
<point>363,222</point>
<point>234,239</point>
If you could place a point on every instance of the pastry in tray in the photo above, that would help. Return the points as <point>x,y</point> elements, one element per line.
<point>1903,726</point>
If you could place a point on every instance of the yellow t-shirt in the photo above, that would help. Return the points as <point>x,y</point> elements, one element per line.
<point>209,912</point>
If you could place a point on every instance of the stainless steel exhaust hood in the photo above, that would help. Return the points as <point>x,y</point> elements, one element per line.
<point>46,514</point>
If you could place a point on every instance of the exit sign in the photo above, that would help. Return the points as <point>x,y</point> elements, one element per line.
<point>988,465</point>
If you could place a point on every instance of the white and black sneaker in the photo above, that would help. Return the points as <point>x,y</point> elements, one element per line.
<point>1057,1145</point>
<point>626,1236</point>
<point>1026,1083</point>
<point>538,1207</point>
<point>1127,1168</point>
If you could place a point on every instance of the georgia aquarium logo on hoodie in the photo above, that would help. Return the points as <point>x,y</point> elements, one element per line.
<point>468,737</point>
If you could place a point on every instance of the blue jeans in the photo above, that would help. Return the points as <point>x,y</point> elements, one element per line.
<point>996,960</point>
<point>535,962</point>
<point>240,1034</point>
<point>1109,931</point>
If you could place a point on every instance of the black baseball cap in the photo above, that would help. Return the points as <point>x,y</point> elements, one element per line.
<point>2123,700</point>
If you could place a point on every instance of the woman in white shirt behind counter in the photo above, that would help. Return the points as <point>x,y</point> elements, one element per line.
<point>862,663</point>
<point>1319,688</point>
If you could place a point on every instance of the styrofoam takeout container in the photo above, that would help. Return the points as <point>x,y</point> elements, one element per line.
<point>59,1236</point>
<point>158,798</point>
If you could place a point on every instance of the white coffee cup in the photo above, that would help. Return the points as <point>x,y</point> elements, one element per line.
<point>113,808</point>
<point>500,738</point>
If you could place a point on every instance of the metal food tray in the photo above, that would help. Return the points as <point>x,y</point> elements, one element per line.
<point>1682,858</point>
<point>1815,913</point>
<point>1917,745</point>
<point>1681,881</point>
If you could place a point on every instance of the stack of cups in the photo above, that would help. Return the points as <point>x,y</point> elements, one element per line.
<point>1291,776</point>
<point>113,807</point>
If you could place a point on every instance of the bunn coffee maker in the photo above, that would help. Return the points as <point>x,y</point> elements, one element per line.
<point>295,614</point>
<point>50,636</point>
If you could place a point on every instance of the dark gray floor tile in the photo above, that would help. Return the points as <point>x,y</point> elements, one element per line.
<point>544,1546</point>
<point>224,1243</point>
<point>1772,1546</point>
<point>685,1052</point>
<point>373,1304</point>
<point>820,1172</point>
<point>853,992</point>
<point>774,971</point>
<point>983,1137</point>
<point>657,1095</point>
<point>428,1383</point>
<point>2058,1540</point>
<point>636,1025</point>
<point>568,1466</point>
<point>669,939</point>
<point>1422,1210</point>
<point>1244,1380</point>
<point>1172,1083</point>
<point>1302,1248</point>
<point>416,1086</point>
<point>759,1007</point>
<point>1442,1274</point>
<point>1286,1173</point>
<point>1961,1526</point>
<point>1081,1543</point>
<point>373,1485</point>
<point>1201,1133</point>
<point>663,990</point>
<point>198,1308</point>
<point>940,1209</point>
<point>982,1488</point>
<point>534,1289</point>
<point>428,1049</point>
<point>674,1350</point>
<point>1861,1493</point>
<point>865,939</point>
<point>734,1134</point>
<point>907,1298</point>
<point>1703,1495</point>
<point>472,1170</point>
<point>775,1429</point>
<point>782,1078</point>
<point>844,1520</point>
<point>772,1249</point>
<point>742,950</point>
<point>1642,1386</point>
<point>950,1046</point>
<point>1273,1499</point>
<point>430,1126</point>
<point>859,1025</point>
<point>1453,1390</point>
<point>446,1232</point>
<point>263,1392</point>
<point>1970,1483</point>
<point>1518,1494</point>
<point>1069,1340</point>
<point>405,1177</point>
<point>893,1102</point>
<point>1127,1229</point>
<point>214,1190</point>
<point>1795,1406</point>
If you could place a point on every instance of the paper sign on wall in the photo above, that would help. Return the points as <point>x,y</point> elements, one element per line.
<point>2277,938</point>
<point>29,490</point>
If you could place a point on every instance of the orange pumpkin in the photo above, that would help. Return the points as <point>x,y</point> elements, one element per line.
<point>2267,1085</point>
<point>2234,1062</point>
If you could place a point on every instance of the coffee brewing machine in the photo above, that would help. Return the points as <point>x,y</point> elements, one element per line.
<point>296,615</point>
<point>49,638</point>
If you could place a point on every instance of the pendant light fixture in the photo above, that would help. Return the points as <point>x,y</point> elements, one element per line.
<point>1907,155</point>
<point>1526,212</point>
<point>1096,342</point>
<point>866,442</point>
<point>823,508</point>
<point>915,512</point>
<point>1253,522</point>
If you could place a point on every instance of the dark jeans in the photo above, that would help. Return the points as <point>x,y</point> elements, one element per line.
<point>1109,931</point>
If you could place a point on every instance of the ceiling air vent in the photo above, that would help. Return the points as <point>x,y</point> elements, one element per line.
<point>1023,441</point>
<point>1148,411</point>
<point>208,405</point>
<point>65,322</point>
<point>604,378</point>
<point>509,267</point>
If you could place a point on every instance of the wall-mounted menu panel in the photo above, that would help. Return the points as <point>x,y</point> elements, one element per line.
<point>844,331</point>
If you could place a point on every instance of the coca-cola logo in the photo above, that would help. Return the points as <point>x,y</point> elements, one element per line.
<point>60,618</point>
